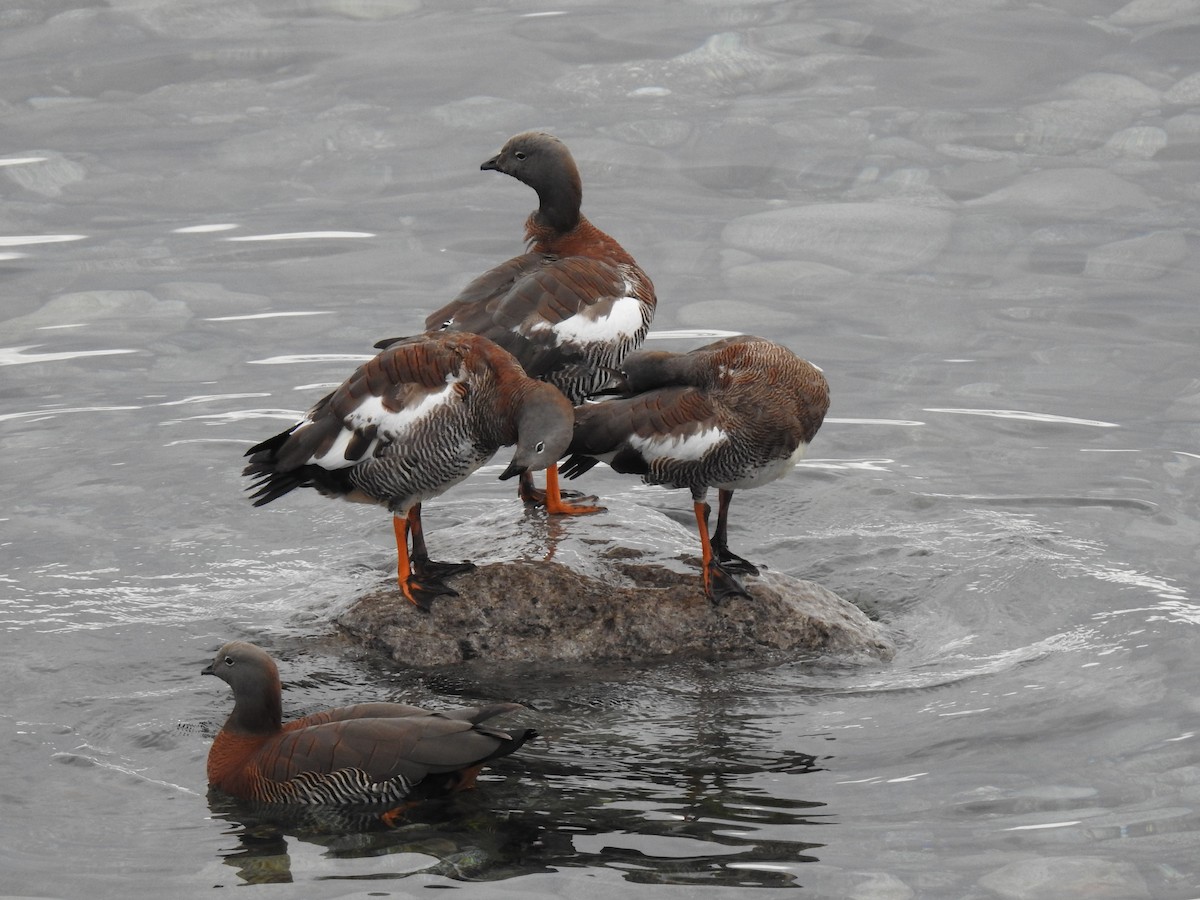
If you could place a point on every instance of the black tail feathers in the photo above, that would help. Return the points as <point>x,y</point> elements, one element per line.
<point>270,483</point>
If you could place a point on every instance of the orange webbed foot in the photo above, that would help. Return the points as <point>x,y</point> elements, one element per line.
<point>393,817</point>
<point>537,497</point>
<point>561,506</point>
<point>554,500</point>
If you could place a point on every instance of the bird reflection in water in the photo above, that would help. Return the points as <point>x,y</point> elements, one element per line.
<point>456,838</point>
<point>684,811</point>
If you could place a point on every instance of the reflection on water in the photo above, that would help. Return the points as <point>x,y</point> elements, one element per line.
<point>21,240</point>
<point>1024,416</point>
<point>302,236</point>
<point>695,820</point>
<point>665,775</point>
<point>17,356</point>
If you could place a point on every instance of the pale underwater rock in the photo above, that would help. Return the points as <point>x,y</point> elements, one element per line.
<point>1056,877</point>
<point>1065,193</point>
<point>1137,259</point>
<point>1151,12</point>
<point>484,111</point>
<point>859,237</point>
<point>1183,127</point>
<point>733,154</point>
<point>726,64</point>
<point>910,185</point>
<point>1137,142</point>
<point>104,312</point>
<point>1186,91</point>
<point>1068,126</point>
<point>1110,87</point>
<point>879,886</point>
<point>779,277</point>
<point>361,9</point>
<point>846,134</point>
<point>47,175</point>
<point>656,132</point>
<point>622,584</point>
<point>212,299</point>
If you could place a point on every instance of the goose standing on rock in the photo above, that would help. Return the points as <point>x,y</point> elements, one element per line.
<point>371,753</point>
<point>571,307</point>
<point>738,413</point>
<point>407,426</point>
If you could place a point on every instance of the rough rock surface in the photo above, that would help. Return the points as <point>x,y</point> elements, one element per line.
<point>622,584</point>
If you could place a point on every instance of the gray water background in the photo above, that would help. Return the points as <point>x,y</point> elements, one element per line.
<point>979,218</point>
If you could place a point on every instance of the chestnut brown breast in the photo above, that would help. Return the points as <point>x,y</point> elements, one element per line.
<point>365,754</point>
<point>576,303</point>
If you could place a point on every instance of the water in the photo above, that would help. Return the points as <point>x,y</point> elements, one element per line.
<point>979,218</point>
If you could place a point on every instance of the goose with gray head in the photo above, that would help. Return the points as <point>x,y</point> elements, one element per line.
<point>366,754</point>
<point>571,307</point>
<point>735,414</point>
<point>407,426</point>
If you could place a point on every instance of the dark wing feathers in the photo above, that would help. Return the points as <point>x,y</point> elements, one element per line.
<point>673,411</point>
<point>488,287</point>
<point>569,287</point>
<point>401,376</point>
<point>407,746</point>
<point>384,710</point>
<point>607,429</point>
<point>531,290</point>
<point>602,428</point>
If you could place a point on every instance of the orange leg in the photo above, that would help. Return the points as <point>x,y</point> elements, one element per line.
<point>420,592</point>
<point>718,583</point>
<point>466,779</point>
<point>557,506</point>
<point>395,816</point>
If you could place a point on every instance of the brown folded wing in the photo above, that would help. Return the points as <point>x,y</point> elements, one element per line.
<point>519,303</point>
<point>383,710</point>
<point>383,748</point>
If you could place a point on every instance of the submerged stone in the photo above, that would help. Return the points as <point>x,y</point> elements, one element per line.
<point>1068,193</point>
<point>1151,12</point>
<point>47,174</point>
<point>1111,87</point>
<point>1070,125</point>
<point>1186,92</point>
<point>1138,142</point>
<point>1138,259</point>
<point>859,237</point>
<point>620,585</point>
<point>1056,877</point>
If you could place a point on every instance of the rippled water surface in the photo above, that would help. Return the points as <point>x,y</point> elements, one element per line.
<point>979,218</point>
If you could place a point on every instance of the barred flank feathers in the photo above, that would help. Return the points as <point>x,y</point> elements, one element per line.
<point>362,755</point>
<point>345,786</point>
<point>354,786</point>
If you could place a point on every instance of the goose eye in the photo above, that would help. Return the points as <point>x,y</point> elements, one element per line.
<point>229,660</point>
<point>541,445</point>
<point>520,154</point>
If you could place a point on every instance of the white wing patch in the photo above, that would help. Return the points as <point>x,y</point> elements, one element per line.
<point>388,424</point>
<point>680,447</point>
<point>623,321</point>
